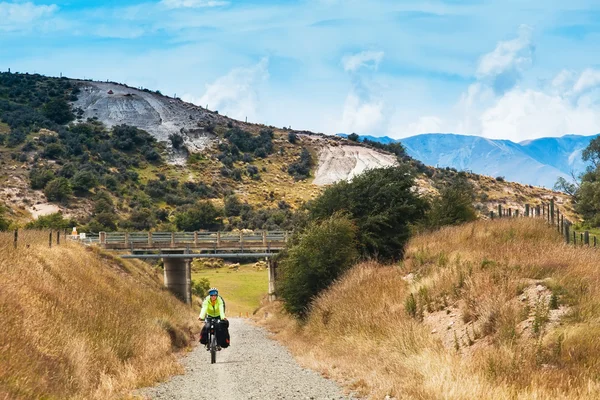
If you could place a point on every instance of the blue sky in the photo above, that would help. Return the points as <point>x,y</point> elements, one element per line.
<point>500,69</point>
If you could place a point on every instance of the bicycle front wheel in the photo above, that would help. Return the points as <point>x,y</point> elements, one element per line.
<point>213,349</point>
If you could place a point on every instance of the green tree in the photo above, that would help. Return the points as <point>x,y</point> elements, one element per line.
<point>39,177</point>
<point>324,251</point>
<point>383,205</point>
<point>58,189</point>
<point>83,181</point>
<point>59,111</point>
<point>202,215</point>
<point>454,205</point>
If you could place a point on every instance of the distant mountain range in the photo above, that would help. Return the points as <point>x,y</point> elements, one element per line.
<point>538,162</point>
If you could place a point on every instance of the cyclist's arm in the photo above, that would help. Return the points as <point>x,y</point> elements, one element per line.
<point>204,309</point>
<point>222,309</point>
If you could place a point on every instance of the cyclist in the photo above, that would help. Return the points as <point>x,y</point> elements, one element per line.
<point>213,306</point>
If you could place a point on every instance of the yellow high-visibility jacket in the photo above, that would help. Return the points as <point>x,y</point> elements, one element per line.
<point>213,310</point>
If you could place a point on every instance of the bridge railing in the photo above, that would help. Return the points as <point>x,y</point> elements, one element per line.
<point>219,239</point>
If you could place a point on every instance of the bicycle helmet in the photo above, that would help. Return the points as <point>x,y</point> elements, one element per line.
<point>212,290</point>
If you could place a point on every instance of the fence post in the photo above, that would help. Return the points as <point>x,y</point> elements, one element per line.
<point>196,238</point>
<point>586,238</point>
<point>527,210</point>
<point>126,238</point>
<point>492,215</point>
<point>517,213</point>
<point>172,238</point>
<point>499,211</point>
<point>149,238</point>
<point>102,238</point>
<point>537,211</point>
<point>595,241</point>
<point>552,211</point>
<point>58,237</point>
<point>16,237</point>
<point>50,239</point>
<point>567,235</point>
<point>510,212</point>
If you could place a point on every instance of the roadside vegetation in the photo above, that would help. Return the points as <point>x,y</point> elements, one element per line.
<point>492,310</point>
<point>78,323</point>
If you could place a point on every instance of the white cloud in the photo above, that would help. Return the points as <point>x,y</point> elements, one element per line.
<point>193,3</point>
<point>361,116</point>
<point>235,94</point>
<point>589,79</point>
<point>17,16</point>
<point>367,59</point>
<point>426,124</point>
<point>504,66</point>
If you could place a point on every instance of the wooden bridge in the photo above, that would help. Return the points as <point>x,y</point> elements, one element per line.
<point>177,249</point>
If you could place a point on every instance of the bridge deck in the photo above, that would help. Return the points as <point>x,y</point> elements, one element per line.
<point>200,241</point>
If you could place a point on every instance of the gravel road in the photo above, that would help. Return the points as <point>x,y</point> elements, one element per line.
<point>253,367</point>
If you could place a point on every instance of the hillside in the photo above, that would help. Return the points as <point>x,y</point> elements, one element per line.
<point>113,157</point>
<point>488,310</point>
<point>81,324</point>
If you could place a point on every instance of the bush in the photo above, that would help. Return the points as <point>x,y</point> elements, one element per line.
<point>4,223</point>
<point>51,221</point>
<point>292,138</point>
<point>58,189</point>
<point>383,205</point>
<point>301,169</point>
<point>39,177</point>
<point>202,215</point>
<point>200,287</point>
<point>176,140</point>
<point>83,181</point>
<point>320,255</point>
<point>454,206</point>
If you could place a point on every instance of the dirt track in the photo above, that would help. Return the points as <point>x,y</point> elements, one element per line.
<point>253,367</point>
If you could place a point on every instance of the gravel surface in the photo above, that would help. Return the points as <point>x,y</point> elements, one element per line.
<point>253,367</point>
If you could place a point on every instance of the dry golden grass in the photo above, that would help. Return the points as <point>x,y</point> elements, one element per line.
<point>360,332</point>
<point>81,324</point>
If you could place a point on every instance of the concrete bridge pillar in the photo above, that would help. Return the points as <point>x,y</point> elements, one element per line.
<point>178,278</point>
<point>272,268</point>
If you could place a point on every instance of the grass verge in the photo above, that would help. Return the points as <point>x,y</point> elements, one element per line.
<point>78,323</point>
<point>367,333</point>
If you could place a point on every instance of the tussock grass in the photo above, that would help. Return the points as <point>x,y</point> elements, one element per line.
<point>78,323</point>
<point>361,332</point>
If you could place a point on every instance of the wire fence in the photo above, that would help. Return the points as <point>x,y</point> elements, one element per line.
<point>552,214</point>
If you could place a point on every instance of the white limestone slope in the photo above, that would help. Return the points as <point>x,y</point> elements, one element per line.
<point>343,162</point>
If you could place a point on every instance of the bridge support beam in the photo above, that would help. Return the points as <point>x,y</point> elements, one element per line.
<point>178,278</point>
<point>272,268</point>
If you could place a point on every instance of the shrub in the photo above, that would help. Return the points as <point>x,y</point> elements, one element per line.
<point>200,287</point>
<point>500,179</point>
<point>320,255</point>
<point>51,221</point>
<point>4,223</point>
<point>301,169</point>
<point>383,205</point>
<point>83,181</point>
<point>58,189</point>
<point>454,206</point>
<point>202,215</point>
<point>39,177</point>
<point>292,138</point>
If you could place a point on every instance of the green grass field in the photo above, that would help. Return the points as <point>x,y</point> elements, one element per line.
<point>242,289</point>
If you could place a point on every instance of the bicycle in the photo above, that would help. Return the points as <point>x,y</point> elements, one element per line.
<point>211,325</point>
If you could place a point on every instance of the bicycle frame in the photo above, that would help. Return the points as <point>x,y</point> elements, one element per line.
<point>211,345</point>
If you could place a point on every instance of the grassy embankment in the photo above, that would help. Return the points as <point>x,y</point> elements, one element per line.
<point>501,310</point>
<point>81,324</point>
<point>242,289</point>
